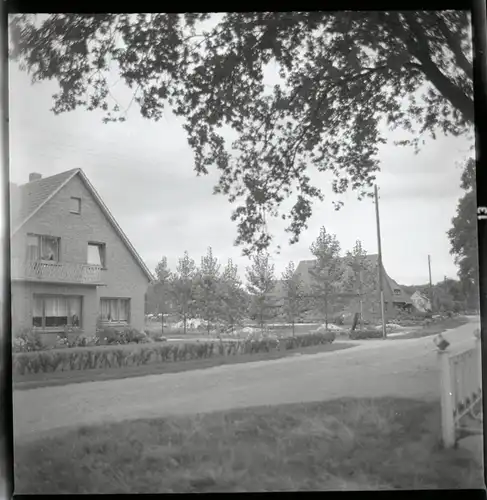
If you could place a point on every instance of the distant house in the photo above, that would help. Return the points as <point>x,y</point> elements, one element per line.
<point>71,262</point>
<point>421,302</point>
<point>394,296</point>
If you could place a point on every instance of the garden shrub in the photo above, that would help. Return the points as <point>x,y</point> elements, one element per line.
<point>92,357</point>
<point>366,334</point>
<point>27,340</point>
<point>127,335</point>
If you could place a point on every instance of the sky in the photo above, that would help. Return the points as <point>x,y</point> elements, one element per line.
<point>144,172</point>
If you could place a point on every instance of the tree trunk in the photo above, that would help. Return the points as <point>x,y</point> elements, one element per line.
<point>326,310</point>
<point>184,324</point>
<point>293,327</point>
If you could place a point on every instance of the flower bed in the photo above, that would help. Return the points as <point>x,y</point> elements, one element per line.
<point>28,341</point>
<point>113,356</point>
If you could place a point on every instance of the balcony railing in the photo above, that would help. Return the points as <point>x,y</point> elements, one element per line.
<point>56,272</point>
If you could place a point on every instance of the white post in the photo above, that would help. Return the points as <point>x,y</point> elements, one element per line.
<point>478,359</point>
<point>447,418</point>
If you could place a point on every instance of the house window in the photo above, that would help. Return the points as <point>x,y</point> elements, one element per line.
<point>42,247</point>
<point>397,291</point>
<point>115,310</point>
<point>75,205</point>
<point>54,312</point>
<point>96,254</point>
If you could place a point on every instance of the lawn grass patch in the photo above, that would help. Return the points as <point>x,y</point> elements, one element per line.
<point>385,443</point>
<point>45,379</point>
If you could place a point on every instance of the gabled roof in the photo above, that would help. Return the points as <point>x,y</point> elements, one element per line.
<point>26,200</point>
<point>305,266</point>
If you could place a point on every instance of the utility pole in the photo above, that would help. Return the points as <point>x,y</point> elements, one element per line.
<point>379,249</point>
<point>361,301</point>
<point>431,283</point>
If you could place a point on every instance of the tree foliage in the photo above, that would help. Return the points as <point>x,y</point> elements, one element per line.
<point>345,79</point>
<point>233,296</point>
<point>463,236</point>
<point>327,271</point>
<point>261,283</point>
<point>207,293</point>
<point>294,294</point>
<point>183,289</point>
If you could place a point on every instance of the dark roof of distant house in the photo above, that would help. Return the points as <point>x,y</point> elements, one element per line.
<point>306,265</point>
<point>27,199</point>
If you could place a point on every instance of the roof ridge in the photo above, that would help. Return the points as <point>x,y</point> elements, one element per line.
<point>50,177</point>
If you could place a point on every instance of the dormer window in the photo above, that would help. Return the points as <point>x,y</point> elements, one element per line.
<point>397,291</point>
<point>75,205</point>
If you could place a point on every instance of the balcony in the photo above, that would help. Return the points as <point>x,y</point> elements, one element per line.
<point>56,272</point>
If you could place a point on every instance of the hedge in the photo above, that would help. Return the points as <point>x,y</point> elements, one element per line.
<point>365,334</point>
<point>114,357</point>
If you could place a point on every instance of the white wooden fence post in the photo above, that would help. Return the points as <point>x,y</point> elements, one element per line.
<point>478,354</point>
<point>447,417</point>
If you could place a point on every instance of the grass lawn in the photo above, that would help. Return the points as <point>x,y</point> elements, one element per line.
<point>35,380</point>
<point>435,328</point>
<point>343,444</point>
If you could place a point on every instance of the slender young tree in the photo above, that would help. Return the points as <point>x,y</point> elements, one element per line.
<point>327,272</point>
<point>207,293</point>
<point>261,283</point>
<point>233,297</point>
<point>294,294</point>
<point>183,288</point>
<point>361,276</point>
<point>162,288</point>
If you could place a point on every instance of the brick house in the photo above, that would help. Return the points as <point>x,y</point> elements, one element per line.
<point>71,264</point>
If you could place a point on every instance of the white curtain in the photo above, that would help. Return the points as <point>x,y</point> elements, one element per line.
<point>109,309</point>
<point>104,309</point>
<point>37,307</point>
<point>56,306</point>
<point>124,310</point>
<point>115,309</point>
<point>32,247</point>
<point>37,312</point>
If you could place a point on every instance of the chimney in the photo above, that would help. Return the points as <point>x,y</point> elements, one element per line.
<point>34,176</point>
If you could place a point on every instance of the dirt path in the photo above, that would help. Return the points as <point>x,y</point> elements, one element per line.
<point>405,368</point>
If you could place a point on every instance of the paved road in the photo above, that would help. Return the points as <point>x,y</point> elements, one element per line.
<point>374,368</point>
